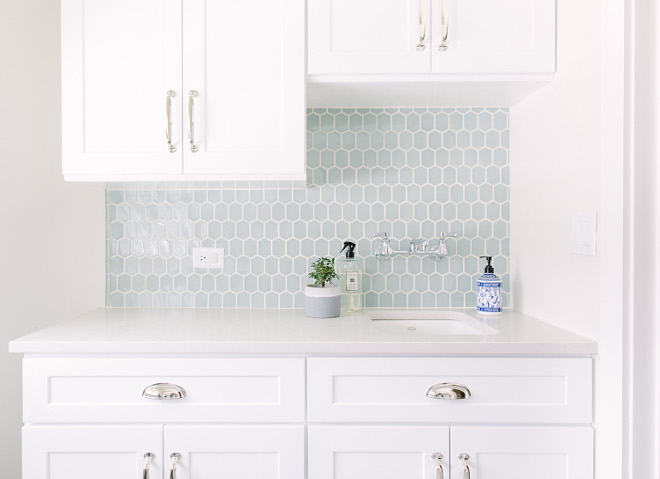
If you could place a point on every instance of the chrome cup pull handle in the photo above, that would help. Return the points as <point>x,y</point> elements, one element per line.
<point>164,391</point>
<point>422,26</point>
<point>148,457</point>
<point>448,391</point>
<point>175,456</point>
<point>168,129</point>
<point>466,469</point>
<point>439,473</point>
<point>191,120</point>
<point>444,16</point>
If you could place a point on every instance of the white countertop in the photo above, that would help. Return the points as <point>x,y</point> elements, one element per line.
<point>287,331</point>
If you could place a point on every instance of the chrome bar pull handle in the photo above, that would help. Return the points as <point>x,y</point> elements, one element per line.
<point>164,391</point>
<point>148,457</point>
<point>439,473</point>
<point>448,391</point>
<point>175,456</point>
<point>191,120</point>
<point>444,16</point>
<point>422,26</point>
<point>466,469</point>
<point>168,129</point>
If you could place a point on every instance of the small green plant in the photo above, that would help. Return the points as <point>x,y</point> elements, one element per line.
<point>323,271</point>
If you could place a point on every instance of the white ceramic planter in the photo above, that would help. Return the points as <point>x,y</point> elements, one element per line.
<point>322,302</point>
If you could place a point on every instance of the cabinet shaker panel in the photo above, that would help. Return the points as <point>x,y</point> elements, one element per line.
<point>369,36</point>
<point>522,452</point>
<point>81,452</point>
<point>385,452</point>
<point>119,61</point>
<point>244,81</point>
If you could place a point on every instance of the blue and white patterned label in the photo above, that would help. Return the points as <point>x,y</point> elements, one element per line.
<point>489,294</point>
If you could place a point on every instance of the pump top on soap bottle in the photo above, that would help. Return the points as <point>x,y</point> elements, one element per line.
<point>350,278</point>
<point>489,268</point>
<point>489,290</point>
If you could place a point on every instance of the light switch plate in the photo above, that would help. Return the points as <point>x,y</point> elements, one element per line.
<point>584,233</point>
<point>208,258</point>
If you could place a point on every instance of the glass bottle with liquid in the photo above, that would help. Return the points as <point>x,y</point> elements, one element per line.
<point>350,271</point>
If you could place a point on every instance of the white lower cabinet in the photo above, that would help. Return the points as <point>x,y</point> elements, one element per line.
<point>357,418</point>
<point>82,452</point>
<point>237,452</point>
<point>385,452</point>
<point>433,452</point>
<point>522,452</point>
<point>202,452</point>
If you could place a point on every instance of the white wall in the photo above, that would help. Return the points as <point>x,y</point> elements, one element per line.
<point>567,156</point>
<point>642,302</point>
<point>61,225</point>
<point>555,172</point>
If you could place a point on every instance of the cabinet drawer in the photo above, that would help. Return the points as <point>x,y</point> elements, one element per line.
<point>110,390</point>
<point>511,390</point>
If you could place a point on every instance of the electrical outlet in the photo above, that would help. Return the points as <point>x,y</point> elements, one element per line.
<point>209,258</point>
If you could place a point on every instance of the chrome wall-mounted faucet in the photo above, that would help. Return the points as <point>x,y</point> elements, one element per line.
<point>418,247</point>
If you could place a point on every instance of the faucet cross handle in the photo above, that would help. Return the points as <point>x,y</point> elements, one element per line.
<point>384,250</point>
<point>444,235</point>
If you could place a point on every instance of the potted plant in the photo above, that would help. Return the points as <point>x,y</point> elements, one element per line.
<point>323,299</point>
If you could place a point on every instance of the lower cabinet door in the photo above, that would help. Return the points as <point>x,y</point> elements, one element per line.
<point>235,452</point>
<point>522,452</point>
<point>387,452</point>
<point>84,452</point>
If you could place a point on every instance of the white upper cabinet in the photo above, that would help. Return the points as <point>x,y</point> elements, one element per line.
<point>368,36</point>
<point>431,36</point>
<point>485,36</point>
<point>131,70</point>
<point>119,60</point>
<point>245,60</point>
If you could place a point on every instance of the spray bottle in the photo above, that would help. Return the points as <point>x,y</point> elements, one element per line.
<point>350,279</point>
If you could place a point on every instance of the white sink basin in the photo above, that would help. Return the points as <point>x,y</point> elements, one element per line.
<point>436,323</point>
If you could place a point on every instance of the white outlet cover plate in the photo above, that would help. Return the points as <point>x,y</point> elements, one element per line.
<point>584,233</point>
<point>208,258</point>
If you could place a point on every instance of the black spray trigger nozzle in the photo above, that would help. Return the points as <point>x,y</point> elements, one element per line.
<point>351,249</point>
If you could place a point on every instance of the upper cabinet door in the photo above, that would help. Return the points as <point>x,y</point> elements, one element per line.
<point>485,36</point>
<point>244,84</point>
<point>369,36</point>
<point>119,61</point>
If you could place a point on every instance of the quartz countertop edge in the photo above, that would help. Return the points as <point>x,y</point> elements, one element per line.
<point>289,332</point>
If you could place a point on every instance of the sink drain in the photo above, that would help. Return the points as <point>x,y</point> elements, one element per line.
<point>412,329</point>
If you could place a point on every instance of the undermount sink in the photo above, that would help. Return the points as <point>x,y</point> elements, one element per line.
<point>435,323</point>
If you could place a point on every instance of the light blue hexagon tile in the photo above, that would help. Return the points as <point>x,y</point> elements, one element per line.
<point>411,172</point>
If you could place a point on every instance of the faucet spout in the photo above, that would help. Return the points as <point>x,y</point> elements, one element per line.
<point>384,251</point>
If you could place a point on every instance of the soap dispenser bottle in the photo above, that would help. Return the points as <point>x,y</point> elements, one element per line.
<point>489,291</point>
<point>350,279</point>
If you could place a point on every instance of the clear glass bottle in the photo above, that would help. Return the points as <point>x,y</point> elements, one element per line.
<point>350,271</point>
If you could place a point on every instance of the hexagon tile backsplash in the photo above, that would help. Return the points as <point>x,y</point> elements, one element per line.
<point>413,172</point>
